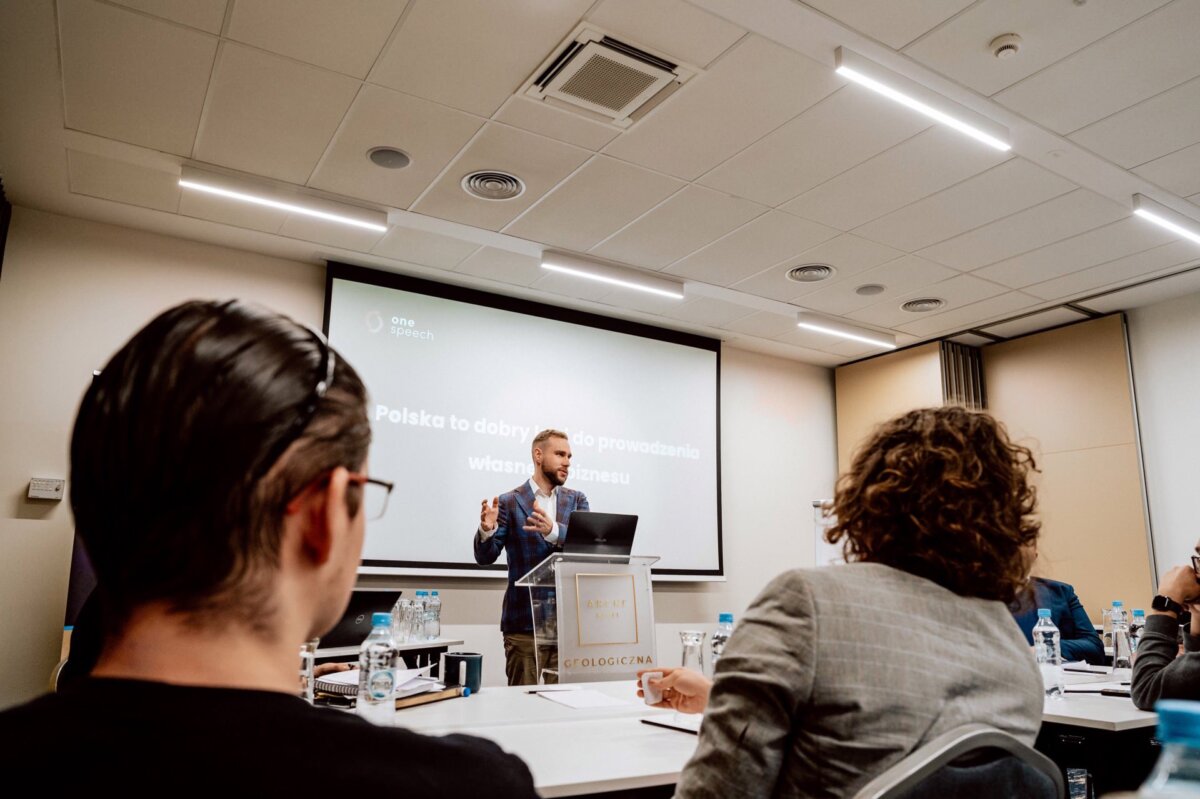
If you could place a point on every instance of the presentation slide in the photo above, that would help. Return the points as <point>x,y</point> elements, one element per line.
<point>460,382</point>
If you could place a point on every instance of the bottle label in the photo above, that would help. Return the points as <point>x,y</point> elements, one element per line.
<point>380,684</point>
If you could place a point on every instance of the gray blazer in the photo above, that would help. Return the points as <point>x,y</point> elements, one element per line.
<point>834,674</point>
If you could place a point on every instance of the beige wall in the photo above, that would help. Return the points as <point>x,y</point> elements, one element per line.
<point>1066,394</point>
<point>72,291</point>
<point>873,391</point>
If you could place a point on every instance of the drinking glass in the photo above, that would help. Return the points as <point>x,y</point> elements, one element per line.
<point>308,659</point>
<point>693,650</point>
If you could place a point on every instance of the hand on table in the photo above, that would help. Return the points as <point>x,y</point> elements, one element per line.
<point>683,690</point>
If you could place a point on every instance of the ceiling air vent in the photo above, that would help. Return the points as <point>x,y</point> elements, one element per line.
<point>606,78</point>
<point>492,185</point>
<point>923,305</point>
<point>810,273</point>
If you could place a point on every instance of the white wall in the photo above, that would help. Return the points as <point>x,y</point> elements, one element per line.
<point>1165,347</point>
<point>72,291</point>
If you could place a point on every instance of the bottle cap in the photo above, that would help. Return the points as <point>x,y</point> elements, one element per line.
<point>466,692</point>
<point>1043,613</point>
<point>1118,603</point>
<point>1139,612</point>
<point>725,618</point>
<point>422,593</point>
<point>435,593</point>
<point>1178,721</point>
<point>381,620</point>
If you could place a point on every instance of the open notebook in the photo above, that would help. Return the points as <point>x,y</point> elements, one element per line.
<point>409,682</point>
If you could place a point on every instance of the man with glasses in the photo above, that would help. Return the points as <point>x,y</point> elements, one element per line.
<point>1159,671</point>
<point>218,483</point>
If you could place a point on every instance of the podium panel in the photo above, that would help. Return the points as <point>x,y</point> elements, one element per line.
<point>598,622</point>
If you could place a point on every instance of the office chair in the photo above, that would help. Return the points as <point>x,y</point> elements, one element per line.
<point>974,761</point>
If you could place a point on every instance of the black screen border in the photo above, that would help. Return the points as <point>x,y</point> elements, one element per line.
<point>338,270</point>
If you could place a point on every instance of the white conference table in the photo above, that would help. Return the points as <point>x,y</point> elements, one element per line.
<point>1111,713</point>
<point>569,751</point>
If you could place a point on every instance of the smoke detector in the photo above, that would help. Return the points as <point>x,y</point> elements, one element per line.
<point>605,78</point>
<point>869,290</point>
<point>923,305</point>
<point>492,185</point>
<point>810,273</point>
<point>1005,46</point>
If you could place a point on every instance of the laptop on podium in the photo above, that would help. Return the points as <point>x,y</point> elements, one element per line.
<point>592,533</point>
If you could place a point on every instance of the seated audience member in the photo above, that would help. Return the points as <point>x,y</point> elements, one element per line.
<point>217,482</point>
<point>834,674</point>
<point>1078,637</point>
<point>1159,671</point>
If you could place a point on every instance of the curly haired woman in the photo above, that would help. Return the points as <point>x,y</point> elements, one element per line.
<point>835,674</point>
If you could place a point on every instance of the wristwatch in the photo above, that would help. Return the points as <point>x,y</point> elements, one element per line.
<point>1161,602</point>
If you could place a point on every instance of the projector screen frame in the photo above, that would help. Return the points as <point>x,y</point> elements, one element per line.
<point>339,270</point>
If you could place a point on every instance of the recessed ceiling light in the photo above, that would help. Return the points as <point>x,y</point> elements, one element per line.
<point>625,277</point>
<point>389,157</point>
<point>923,305</point>
<point>489,184</point>
<point>811,273</point>
<point>869,290</point>
<point>1166,217</point>
<point>807,320</point>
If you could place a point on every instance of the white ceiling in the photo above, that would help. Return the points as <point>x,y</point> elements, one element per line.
<point>763,161</point>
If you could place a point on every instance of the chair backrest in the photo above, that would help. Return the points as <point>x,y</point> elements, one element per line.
<point>974,761</point>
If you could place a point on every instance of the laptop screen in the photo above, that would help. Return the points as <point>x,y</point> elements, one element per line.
<point>591,533</point>
<point>356,621</point>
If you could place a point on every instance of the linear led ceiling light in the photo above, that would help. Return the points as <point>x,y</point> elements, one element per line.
<point>311,207</point>
<point>1163,216</point>
<point>909,93</point>
<point>835,327</point>
<point>612,274</point>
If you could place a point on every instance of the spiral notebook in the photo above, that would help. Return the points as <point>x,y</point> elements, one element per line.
<point>409,682</point>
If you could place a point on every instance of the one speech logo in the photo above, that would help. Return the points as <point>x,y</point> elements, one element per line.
<point>374,321</point>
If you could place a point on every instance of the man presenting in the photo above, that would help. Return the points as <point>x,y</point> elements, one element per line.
<point>528,523</point>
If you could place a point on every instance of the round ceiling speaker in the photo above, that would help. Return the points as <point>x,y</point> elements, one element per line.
<point>491,185</point>
<point>810,273</point>
<point>869,290</point>
<point>923,305</point>
<point>389,157</point>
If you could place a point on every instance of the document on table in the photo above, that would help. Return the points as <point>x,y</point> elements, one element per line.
<point>408,682</point>
<point>582,699</point>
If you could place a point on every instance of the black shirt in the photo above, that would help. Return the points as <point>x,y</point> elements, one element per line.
<point>132,737</point>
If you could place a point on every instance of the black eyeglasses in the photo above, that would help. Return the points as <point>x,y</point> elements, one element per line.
<point>1196,566</point>
<point>375,494</point>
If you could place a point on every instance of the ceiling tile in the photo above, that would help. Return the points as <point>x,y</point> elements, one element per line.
<point>1048,31</point>
<point>925,164</point>
<point>709,312</point>
<point>431,134</point>
<point>1054,220</point>
<point>1117,271</point>
<point>242,215</point>
<point>674,28</point>
<point>129,77</point>
<point>843,130</point>
<point>996,193</point>
<point>1151,129</point>
<point>1142,59</point>
<point>971,315</point>
<point>440,46</point>
<point>847,254</point>
<point>331,233</point>
<point>504,266</point>
<point>421,247</point>
<point>110,179</point>
<point>557,283</point>
<point>548,120</point>
<point>893,22</point>
<point>763,324</point>
<point>343,37</point>
<point>1178,173</point>
<point>1149,293</point>
<point>684,223</point>
<point>1128,236</point>
<point>957,291</point>
<point>270,116</point>
<point>1035,322</point>
<point>898,277</point>
<point>595,202</point>
<point>207,15</point>
<point>757,245</point>
<point>758,85</point>
<point>540,162</point>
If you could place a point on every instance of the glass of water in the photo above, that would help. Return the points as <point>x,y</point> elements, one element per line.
<point>308,659</point>
<point>693,650</point>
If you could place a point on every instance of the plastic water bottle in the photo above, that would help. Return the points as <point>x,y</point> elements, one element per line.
<point>433,617</point>
<point>1177,773</point>
<point>724,630</point>
<point>1048,653</point>
<point>420,602</point>
<point>1135,629</point>
<point>1122,653</point>
<point>377,673</point>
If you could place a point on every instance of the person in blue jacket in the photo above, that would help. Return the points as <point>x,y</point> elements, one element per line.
<point>1079,639</point>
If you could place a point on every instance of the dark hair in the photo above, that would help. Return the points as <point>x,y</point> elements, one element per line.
<point>941,493</point>
<point>190,443</point>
